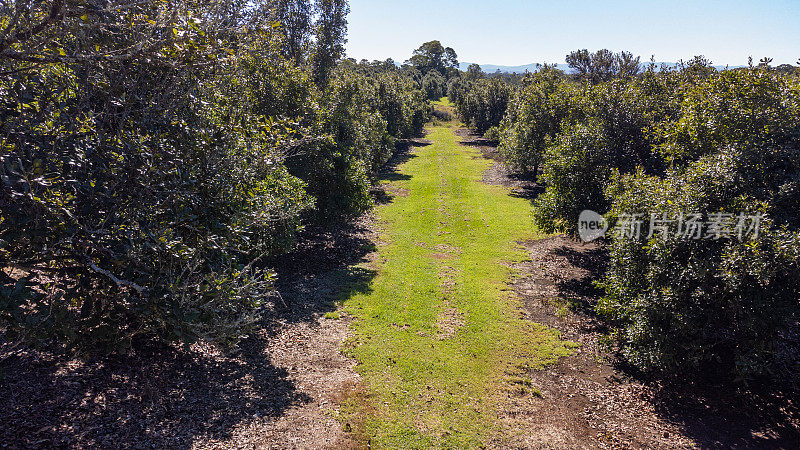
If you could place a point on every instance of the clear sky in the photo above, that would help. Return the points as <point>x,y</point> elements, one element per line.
<point>517,32</point>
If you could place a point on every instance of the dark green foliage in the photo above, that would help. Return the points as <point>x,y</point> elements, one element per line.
<point>536,134</point>
<point>296,26</point>
<point>338,168</point>
<point>363,111</point>
<point>484,104</point>
<point>534,118</point>
<point>457,89</point>
<point>131,206</point>
<point>434,85</point>
<point>330,36</point>
<point>474,73</point>
<point>608,134</point>
<point>723,307</point>
<point>402,105</point>
<point>719,117</point>
<point>147,167</point>
<point>577,167</point>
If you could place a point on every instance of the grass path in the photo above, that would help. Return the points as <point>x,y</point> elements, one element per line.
<point>439,341</point>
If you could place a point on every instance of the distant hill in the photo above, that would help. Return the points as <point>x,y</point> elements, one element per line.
<point>492,68</point>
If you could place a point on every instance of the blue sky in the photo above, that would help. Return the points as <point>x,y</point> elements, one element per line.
<point>520,32</point>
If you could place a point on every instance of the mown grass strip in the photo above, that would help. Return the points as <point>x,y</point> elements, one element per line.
<point>438,335</point>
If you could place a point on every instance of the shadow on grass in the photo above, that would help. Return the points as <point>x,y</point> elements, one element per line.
<point>322,272</point>
<point>403,153</point>
<point>395,177</point>
<point>581,291</point>
<point>526,187</point>
<point>390,172</point>
<point>480,142</point>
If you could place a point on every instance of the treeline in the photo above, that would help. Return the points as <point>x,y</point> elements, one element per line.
<point>669,147</point>
<point>480,101</point>
<point>153,154</point>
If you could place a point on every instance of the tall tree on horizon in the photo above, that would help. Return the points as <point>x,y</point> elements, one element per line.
<point>603,65</point>
<point>296,23</point>
<point>434,56</point>
<point>580,60</point>
<point>627,64</point>
<point>450,58</point>
<point>475,72</point>
<point>330,32</point>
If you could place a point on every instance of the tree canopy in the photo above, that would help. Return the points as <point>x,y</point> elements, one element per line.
<point>603,65</point>
<point>154,155</point>
<point>434,56</point>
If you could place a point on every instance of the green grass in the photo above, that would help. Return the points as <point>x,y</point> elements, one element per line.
<point>438,337</point>
<point>444,101</point>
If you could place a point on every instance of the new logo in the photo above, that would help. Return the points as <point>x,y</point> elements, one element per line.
<point>591,226</point>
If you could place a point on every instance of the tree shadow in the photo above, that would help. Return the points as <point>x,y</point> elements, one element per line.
<point>395,177</point>
<point>327,265</point>
<point>526,187</point>
<point>487,147</point>
<point>726,416</point>
<point>323,271</point>
<point>382,192</point>
<point>382,195</point>
<point>169,396</point>
<point>522,185</point>
<point>157,396</point>
<point>581,290</point>
<point>404,152</point>
<point>480,142</point>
